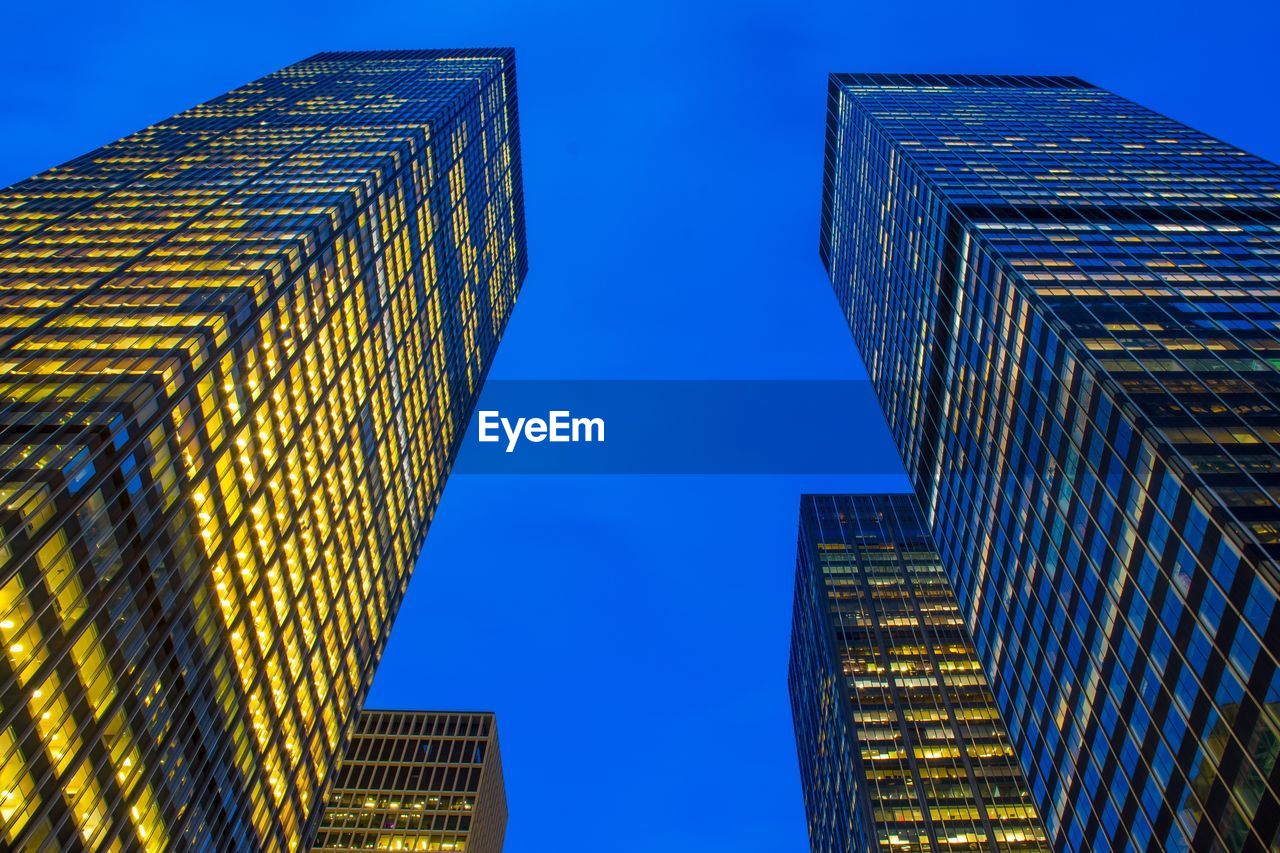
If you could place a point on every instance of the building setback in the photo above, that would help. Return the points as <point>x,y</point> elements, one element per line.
<point>418,780</point>
<point>900,743</point>
<point>1069,306</point>
<point>238,349</point>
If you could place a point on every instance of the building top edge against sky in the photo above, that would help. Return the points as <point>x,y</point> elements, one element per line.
<point>413,53</point>
<point>1052,128</point>
<point>883,79</point>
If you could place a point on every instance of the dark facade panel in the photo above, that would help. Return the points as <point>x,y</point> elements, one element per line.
<point>1069,307</point>
<point>238,349</point>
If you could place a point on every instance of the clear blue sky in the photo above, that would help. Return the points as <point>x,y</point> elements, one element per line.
<point>631,632</point>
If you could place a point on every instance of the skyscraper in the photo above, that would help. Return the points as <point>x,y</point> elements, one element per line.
<point>900,743</point>
<point>1068,306</point>
<point>418,780</point>
<point>237,352</point>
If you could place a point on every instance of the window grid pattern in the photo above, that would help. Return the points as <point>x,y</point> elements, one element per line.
<point>237,351</point>
<point>910,754</point>
<point>1068,305</point>
<point>418,780</point>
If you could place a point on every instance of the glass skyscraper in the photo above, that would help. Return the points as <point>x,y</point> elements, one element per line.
<point>418,780</point>
<point>900,743</point>
<point>238,349</point>
<point>1070,308</point>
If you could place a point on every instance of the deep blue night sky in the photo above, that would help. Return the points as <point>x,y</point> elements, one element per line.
<point>631,632</point>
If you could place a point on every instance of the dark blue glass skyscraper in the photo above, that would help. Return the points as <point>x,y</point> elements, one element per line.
<point>1070,308</point>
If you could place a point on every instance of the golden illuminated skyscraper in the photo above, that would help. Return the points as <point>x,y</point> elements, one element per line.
<point>900,742</point>
<point>237,351</point>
